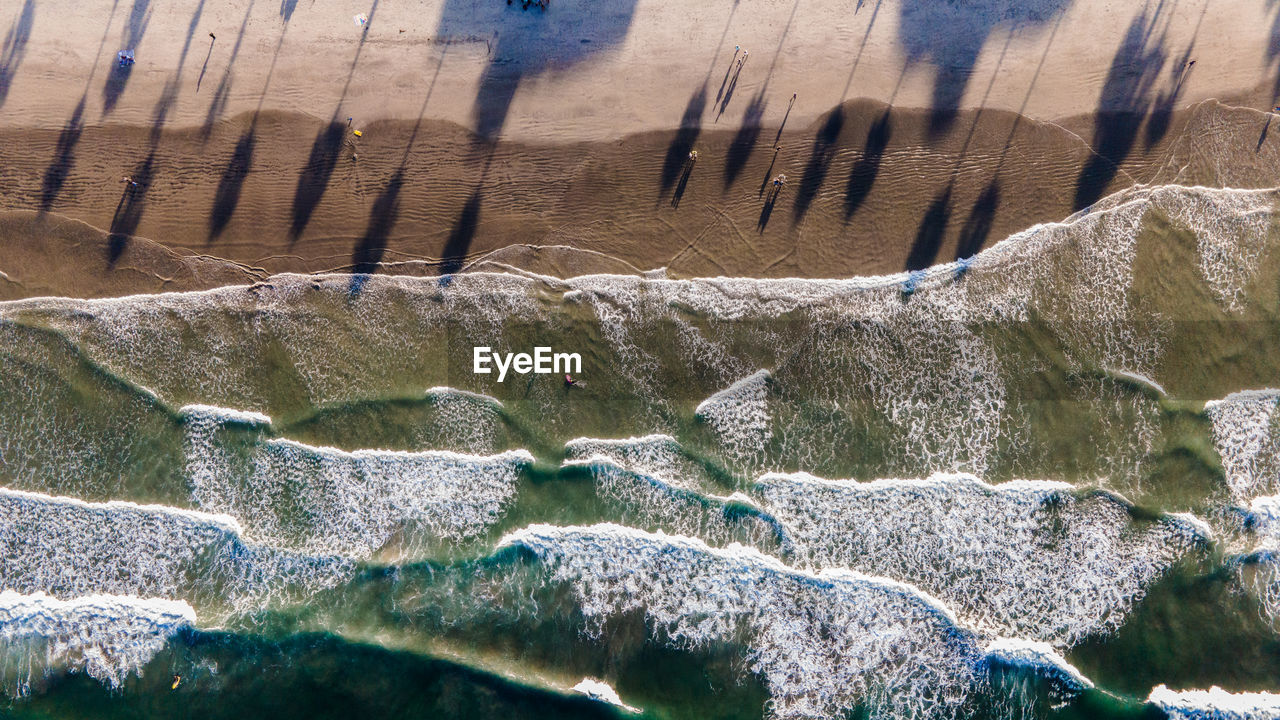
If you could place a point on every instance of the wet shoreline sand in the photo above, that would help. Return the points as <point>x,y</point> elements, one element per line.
<point>867,193</point>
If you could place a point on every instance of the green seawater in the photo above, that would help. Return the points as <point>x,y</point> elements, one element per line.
<point>365,566</point>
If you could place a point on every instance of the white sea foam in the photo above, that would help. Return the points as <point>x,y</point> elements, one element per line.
<point>328,501</point>
<point>651,501</point>
<point>1027,559</point>
<point>71,548</point>
<point>656,455</point>
<point>463,420</point>
<point>1215,704</point>
<point>1247,437</point>
<point>1265,514</point>
<point>823,643</point>
<point>107,637</point>
<point>1246,434</point>
<point>602,691</point>
<point>1264,517</point>
<point>1038,656</point>
<point>211,413</point>
<point>1231,230</point>
<point>739,414</point>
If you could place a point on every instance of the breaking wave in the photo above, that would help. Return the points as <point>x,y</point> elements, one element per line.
<point>824,643</point>
<point>70,548</point>
<point>1028,559</point>
<point>106,637</point>
<point>328,501</point>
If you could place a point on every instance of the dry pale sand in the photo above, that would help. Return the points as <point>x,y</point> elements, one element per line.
<point>558,141</point>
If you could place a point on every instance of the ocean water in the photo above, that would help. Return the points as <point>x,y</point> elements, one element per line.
<point>1040,482</point>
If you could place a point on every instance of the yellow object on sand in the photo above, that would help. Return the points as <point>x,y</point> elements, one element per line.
<point>357,133</point>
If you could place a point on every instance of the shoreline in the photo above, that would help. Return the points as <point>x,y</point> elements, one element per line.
<point>875,196</point>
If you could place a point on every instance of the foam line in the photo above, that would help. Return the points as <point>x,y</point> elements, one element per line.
<point>1215,704</point>
<point>602,691</point>
<point>1039,656</point>
<point>652,500</point>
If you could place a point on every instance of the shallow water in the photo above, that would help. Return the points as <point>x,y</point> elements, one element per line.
<point>1036,483</point>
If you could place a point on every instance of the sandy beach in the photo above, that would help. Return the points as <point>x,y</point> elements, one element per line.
<point>558,141</point>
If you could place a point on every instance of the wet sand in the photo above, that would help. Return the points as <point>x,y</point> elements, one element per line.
<point>559,142</point>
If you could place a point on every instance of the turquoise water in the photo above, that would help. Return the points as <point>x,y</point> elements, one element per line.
<point>1040,483</point>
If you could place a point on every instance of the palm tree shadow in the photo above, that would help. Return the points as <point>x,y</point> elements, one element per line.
<point>681,145</point>
<point>372,246</point>
<point>863,174</point>
<point>227,196</point>
<point>315,176</point>
<point>820,157</point>
<point>460,238</point>
<point>15,47</point>
<point>134,29</point>
<point>744,142</point>
<point>924,249</point>
<point>1123,103</point>
<point>129,210</point>
<point>977,228</point>
<point>55,176</point>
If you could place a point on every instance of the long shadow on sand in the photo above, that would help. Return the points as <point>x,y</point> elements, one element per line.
<point>950,36</point>
<point>314,178</point>
<point>315,175</point>
<point>227,196</point>
<point>527,43</point>
<point>15,47</point>
<point>977,227</point>
<point>744,141</point>
<point>1124,101</point>
<point>820,157</point>
<point>867,167</point>
<point>371,247</point>
<point>135,27</point>
<point>64,158</point>
<point>460,238</point>
<point>928,240</point>
<point>682,143</point>
<point>129,210</point>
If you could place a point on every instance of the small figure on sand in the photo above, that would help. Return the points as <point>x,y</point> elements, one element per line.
<point>779,181</point>
<point>693,156</point>
<point>130,183</point>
